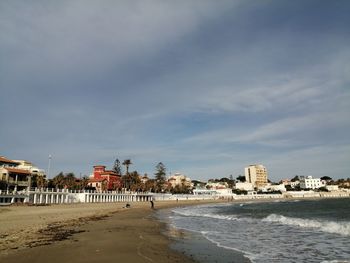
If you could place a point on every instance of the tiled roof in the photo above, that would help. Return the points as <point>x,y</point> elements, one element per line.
<point>93,180</point>
<point>5,160</point>
<point>17,171</point>
<point>109,173</point>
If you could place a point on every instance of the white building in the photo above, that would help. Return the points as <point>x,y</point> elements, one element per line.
<point>221,188</point>
<point>216,191</point>
<point>244,186</point>
<point>307,182</point>
<point>217,185</point>
<point>256,174</point>
<point>277,187</point>
<point>332,188</point>
<point>295,183</point>
<point>204,191</point>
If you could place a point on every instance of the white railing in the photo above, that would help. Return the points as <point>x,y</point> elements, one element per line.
<point>64,196</point>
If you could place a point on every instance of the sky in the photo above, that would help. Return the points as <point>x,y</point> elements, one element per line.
<point>206,87</point>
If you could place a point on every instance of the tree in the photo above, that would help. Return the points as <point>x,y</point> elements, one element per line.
<point>185,187</point>
<point>150,185</point>
<point>125,181</point>
<point>127,163</point>
<point>323,189</point>
<point>58,181</point>
<point>135,181</point>
<point>160,176</point>
<point>41,181</point>
<point>295,178</point>
<point>84,182</point>
<point>64,180</point>
<point>229,182</point>
<point>70,180</point>
<point>197,183</point>
<point>117,167</point>
<point>326,178</point>
<point>241,178</point>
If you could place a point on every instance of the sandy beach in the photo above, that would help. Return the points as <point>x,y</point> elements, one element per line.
<point>86,233</point>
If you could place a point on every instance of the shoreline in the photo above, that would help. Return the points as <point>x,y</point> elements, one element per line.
<point>197,247</point>
<point>94,233</point>
<point>101,230</point>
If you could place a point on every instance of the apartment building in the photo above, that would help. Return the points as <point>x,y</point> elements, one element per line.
<point>256,174</point>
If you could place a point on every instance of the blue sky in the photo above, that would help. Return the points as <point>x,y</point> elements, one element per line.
<point>206,87</point>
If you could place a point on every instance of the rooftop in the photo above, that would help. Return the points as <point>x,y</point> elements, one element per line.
<point>5,160</point>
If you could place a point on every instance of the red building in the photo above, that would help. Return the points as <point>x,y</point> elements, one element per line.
<point>105,180</point>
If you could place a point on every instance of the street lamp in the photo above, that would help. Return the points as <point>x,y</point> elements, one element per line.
<point>48,167</point>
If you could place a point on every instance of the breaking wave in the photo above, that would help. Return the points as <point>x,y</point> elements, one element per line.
<point>221,217</point>
<point>341,228</point>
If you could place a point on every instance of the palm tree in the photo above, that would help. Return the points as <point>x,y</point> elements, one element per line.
<point>70,180</point>
<point>58,180</point>
<point>84,182</point>
<point>127,162</point>
<point>126,180</point>
<point>135,181</point>
<point>40,181</point>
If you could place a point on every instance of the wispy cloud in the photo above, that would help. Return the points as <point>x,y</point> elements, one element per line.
<point>204,87</point>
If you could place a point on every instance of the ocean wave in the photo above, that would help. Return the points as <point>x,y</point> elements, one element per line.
<point>341,228</point>
<point>214,216</point>
<point>246,254</point>
<point>336,261</point>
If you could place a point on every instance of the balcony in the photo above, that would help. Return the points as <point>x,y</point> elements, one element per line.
<point>18,183</point>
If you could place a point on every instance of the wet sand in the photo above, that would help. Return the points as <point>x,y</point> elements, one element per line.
<point>87,233</point>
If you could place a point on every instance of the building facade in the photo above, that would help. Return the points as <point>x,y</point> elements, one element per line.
<point>256,174</point>
<point>179,179</point>
<point>244,186</point>
<point>34,170</point>
<point>16,175</point>
<point>104,180</point>
<point>308,182</point>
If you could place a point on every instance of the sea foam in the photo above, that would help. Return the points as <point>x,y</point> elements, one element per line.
<point>208,215</point>
<point>341,228</point>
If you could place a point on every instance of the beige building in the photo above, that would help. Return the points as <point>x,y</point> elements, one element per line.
<point>34,170</point>
<point>16,175</point>
<point>256,174</point>
<point>11,177</point>
<point>179,179</point>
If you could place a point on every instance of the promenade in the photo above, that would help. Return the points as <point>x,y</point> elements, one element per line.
<point>64,196</point>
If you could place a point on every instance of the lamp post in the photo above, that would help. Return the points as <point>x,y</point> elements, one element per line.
<point>48,167</point>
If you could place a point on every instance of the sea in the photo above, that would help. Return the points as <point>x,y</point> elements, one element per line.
<point>276,231</point>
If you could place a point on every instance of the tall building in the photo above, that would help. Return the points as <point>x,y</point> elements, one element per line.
<point>256,174</point>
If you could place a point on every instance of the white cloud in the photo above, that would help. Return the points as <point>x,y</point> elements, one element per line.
<point>86,80</point>
<point>56,38</point>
